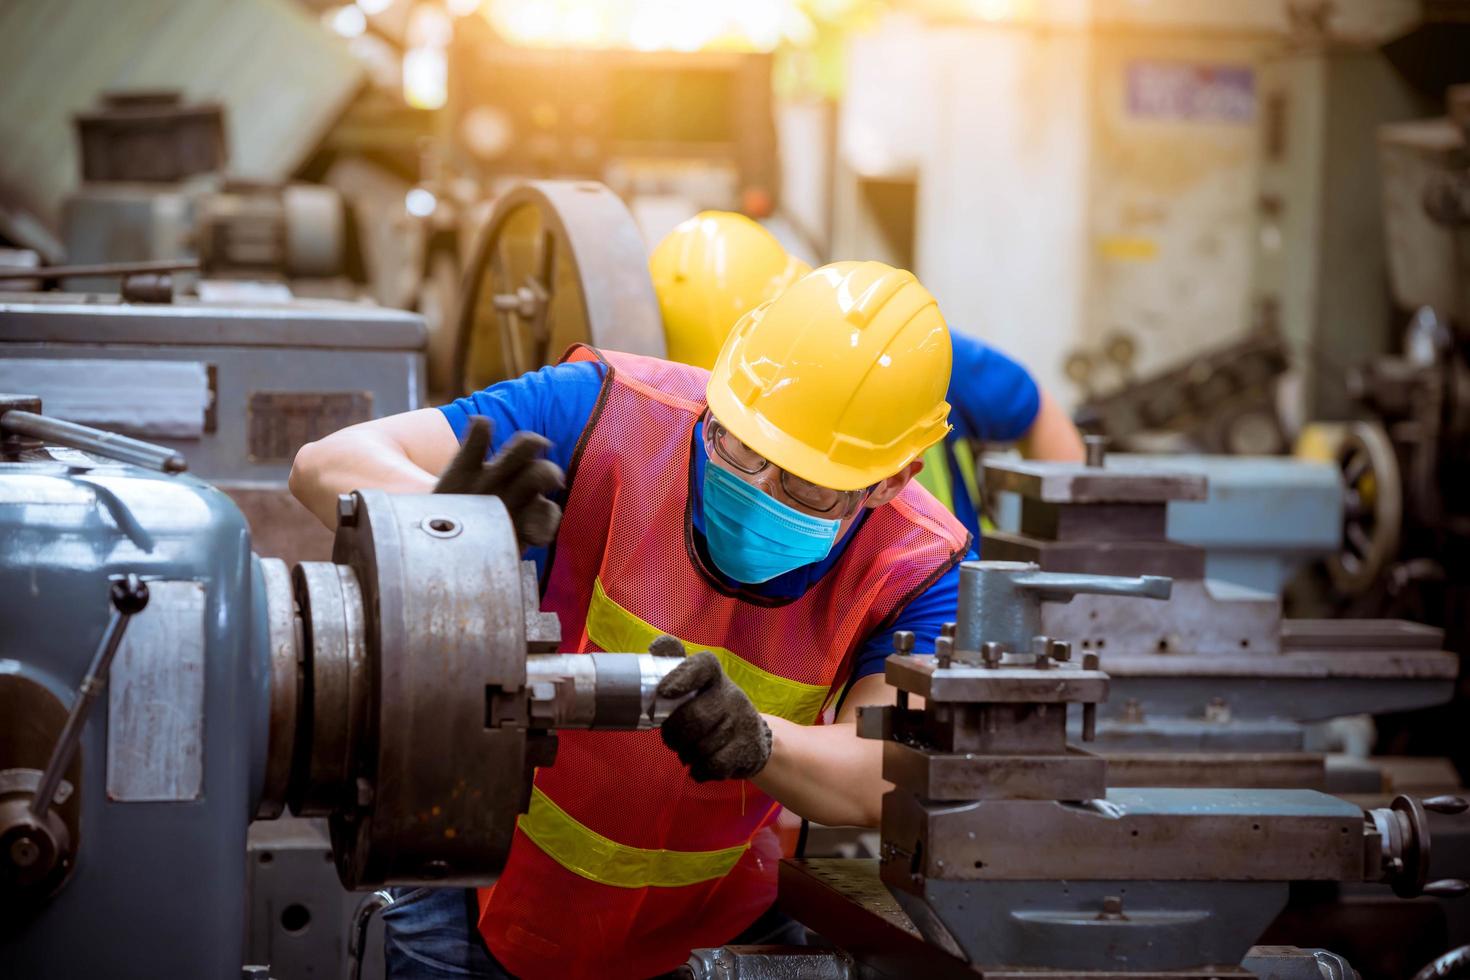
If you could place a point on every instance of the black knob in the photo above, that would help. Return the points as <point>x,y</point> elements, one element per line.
<point>1446,804</point>
<point>129,594</point>
<point>1447,888</point>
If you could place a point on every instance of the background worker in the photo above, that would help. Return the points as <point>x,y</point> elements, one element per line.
<point>714,267</point>
<point>763,513</point>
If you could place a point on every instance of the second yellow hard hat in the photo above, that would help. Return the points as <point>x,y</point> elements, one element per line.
<point>708,273</point>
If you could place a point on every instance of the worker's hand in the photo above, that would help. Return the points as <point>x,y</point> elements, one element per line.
<point>518,475</point>
<point>717,733</point>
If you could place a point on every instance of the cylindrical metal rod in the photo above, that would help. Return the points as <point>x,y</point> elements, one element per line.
<point>100,269</point>
<point>129,596</point>
<point>599,690</point>
<point>97,441</point>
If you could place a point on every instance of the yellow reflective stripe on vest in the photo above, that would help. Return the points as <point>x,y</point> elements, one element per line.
<point>935,476</point>
<point>617,630</point>
<point>582,850</point>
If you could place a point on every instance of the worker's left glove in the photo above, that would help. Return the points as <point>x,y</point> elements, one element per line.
<point>717,733</point>
<point>518,475</point>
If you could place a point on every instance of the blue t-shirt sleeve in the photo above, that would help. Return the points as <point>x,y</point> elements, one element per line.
<point>991,397</point>
<point>923,617</point>
<point>556,402</point>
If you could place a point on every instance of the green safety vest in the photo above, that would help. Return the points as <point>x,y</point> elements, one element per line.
<point>938,475</point>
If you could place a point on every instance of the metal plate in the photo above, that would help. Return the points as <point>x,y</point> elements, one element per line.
<point>281,422</point>
<point>560,262</point>
<point>155,715</point>
<point>140,398</point>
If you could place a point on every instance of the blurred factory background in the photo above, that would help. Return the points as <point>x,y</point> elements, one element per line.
<point>1100,188</point>
<point>1237,229</point>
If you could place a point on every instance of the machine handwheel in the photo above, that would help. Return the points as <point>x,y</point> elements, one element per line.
<point>1372,508</point>
<point>559,262</point>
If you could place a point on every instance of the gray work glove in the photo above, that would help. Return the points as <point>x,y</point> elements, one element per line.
<point>717,733</point>
<point>518,475</point>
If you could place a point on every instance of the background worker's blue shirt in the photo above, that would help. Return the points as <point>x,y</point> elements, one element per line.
<point>991,399</point>
<point>557,402</point>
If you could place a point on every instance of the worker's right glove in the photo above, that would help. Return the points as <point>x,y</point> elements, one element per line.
<point>718,733</point>
<point>518,475</point>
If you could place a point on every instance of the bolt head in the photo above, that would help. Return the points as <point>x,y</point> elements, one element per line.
<point>347,510</point>
<point>24,852</point>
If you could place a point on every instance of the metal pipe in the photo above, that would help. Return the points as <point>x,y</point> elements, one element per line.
<point>599,690</point>
<point>97,441</point>
<point>100,269</point>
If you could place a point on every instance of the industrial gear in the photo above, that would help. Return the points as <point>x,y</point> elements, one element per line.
<point>752,536</point>
<point>717,733</point>
<point>841,379</point>
<point>617,829</point>
<point>517,475</point>
<point>708,273</point>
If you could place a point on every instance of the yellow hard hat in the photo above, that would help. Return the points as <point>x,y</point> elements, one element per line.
<point>841,378</point>
<point>708,273</point>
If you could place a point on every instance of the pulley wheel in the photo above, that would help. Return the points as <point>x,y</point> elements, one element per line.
<point>559,262</point>
<point>1372,517</point>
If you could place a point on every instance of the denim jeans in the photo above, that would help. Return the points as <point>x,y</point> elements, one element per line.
<point>433,933</point>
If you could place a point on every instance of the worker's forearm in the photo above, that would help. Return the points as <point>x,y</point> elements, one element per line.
<point>1052,436</point>
<point>342,463</point>
<point>825,773</point>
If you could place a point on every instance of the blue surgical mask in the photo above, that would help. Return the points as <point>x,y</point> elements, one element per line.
<point>752,536</point>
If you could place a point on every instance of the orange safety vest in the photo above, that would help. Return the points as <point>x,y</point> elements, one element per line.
<point>622,863</point>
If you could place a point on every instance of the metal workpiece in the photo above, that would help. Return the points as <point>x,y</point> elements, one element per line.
<point>767,963</point>
<point>599,690</point>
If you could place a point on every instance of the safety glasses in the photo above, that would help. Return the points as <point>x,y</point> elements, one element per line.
<point>835,504</point>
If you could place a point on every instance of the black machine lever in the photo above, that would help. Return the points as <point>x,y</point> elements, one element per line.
<point>124,449</point>
<point>129,596</point>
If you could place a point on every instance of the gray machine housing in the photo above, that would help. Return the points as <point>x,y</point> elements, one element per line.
<point>183,716</point>
<point>236,389</point>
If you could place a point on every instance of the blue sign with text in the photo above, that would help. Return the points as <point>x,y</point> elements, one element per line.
<point>1191,92</point>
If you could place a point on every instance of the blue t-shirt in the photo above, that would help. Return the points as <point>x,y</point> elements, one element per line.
<point>991,399</point>
<point>557,402</point>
